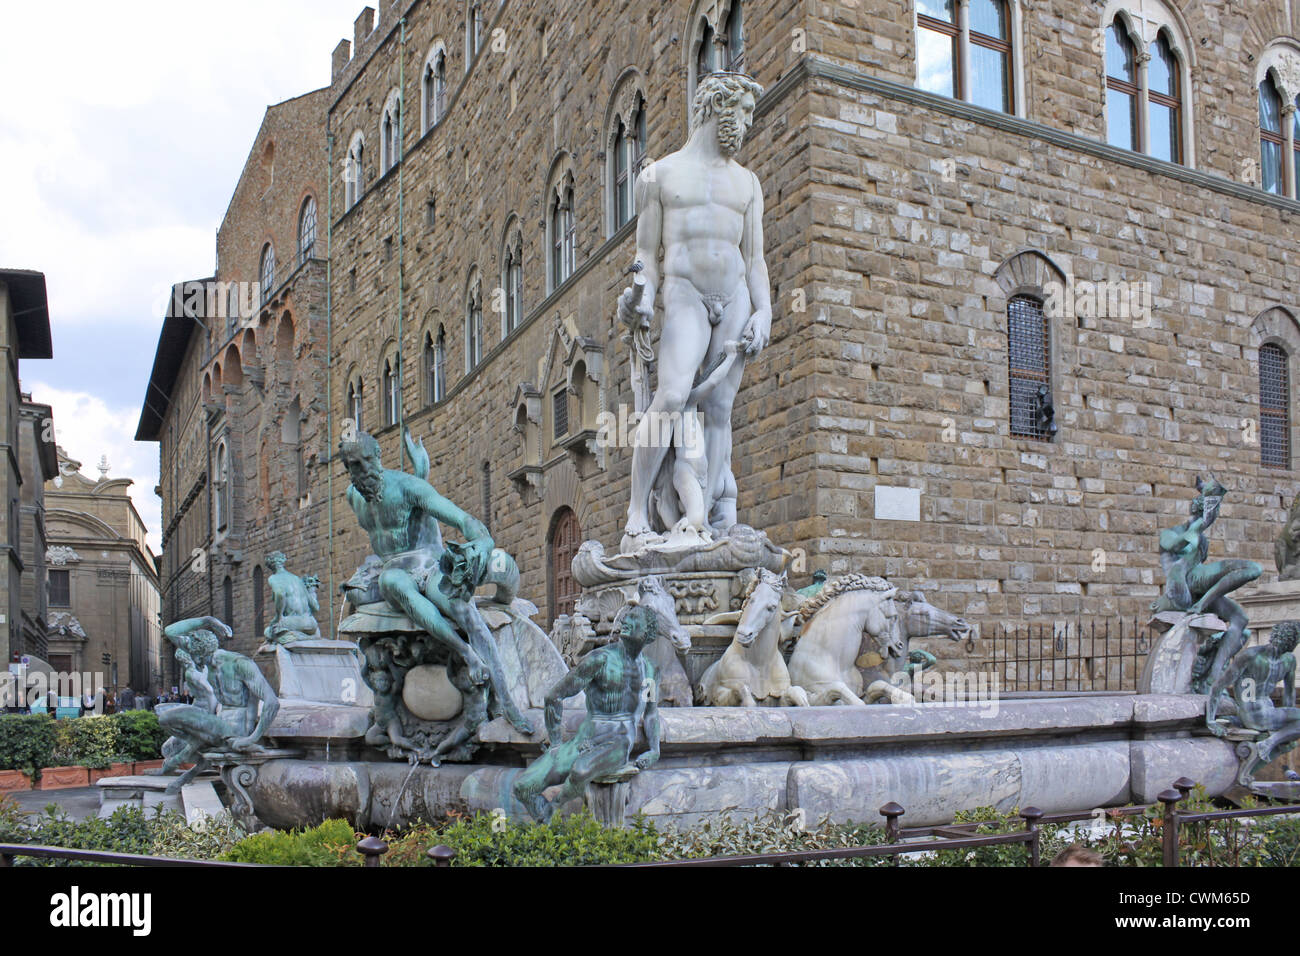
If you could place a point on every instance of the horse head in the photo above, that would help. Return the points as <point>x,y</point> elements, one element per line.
<point>764,591</point>
<point>652,594</point>
<point>923,619</point>
<point>882,623</point>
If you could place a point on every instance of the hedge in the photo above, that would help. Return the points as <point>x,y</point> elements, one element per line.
<point>29,742</point>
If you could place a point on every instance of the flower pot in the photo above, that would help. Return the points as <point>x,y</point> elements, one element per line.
<point>121,769</point>
<point>141,766</point>
<point>63,778</point>
<point>11,780</point>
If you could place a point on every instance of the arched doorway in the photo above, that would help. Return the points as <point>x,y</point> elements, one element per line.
<point>561,548</point>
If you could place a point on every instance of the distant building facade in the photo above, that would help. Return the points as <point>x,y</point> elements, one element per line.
<point>39,461</point>
<point>104,599</point>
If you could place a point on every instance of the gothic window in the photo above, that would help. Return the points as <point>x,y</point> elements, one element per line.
<point>474,328</point>
<point>734,30</point>
<point>392,393</point>
<point>222,497</point>
<point>435,351</point>
<point>704,56</point>
<point>355,400</point>
<point>307,230</point>
<point>266,271</point>
<point>1029,350</point>
<point>1121,88</point>
<point>390,127</point>
<point>473,33</point>
<point>562,233</point>
<point>354,171</point>
<point>628,156</point>
<point>1165,106</point>
<point>1271,142</point>
<point>1274,407</point>
<point>562,547</point>
<point>512,283</point>
<point>966,57</point>
<point>433,89</point>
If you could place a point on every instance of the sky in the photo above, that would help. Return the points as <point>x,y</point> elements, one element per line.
<point>123,130</point>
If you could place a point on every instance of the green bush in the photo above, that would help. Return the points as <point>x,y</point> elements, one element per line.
<point>481,840</point>
<point>128,830</point>
<point>140,736</point>
<point>332,843</point>
<point>204,839</point>
<point>27,742</point>
<point>87,742</point>
<point>775,833</point>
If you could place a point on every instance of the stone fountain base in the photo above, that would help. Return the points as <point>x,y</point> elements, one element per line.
<point>1059,754</point>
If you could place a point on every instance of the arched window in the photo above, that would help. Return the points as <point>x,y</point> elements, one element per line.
<point>704,58</point>
<point>433,88</point>
<point>512,282</point>
<point>1166,104</point>
<point>473,33</point>
<point>1274,407</point>
<point>390,133</point>
<point>1029,350</point>
<point>562,233</point>
<point>392,393</point>
<point>474,328</point>
<point>734,30</point>
<point>628,153</point>
<point>354,171</point>
<point>562,547</point>
<point>1122,93</point>
<point>1271,142</point>
<point>440,365</point>
<point>266,272</point>
<point>307,230</point>
<point>259,602</point>
<point>355,402</point>
<point>222,497</point>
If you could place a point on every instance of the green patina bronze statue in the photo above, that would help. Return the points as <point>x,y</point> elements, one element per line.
<point>622,705</point>
<point>1198,587</point>
<point>1286,552</point>
<point>227,688</point>
<point>425,580</point>
<point>295,604</point>
<point>1250,680</point>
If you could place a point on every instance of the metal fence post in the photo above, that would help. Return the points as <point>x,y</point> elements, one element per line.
<point>372,848</point>
<point>891,812</point>
<point>1031,817</point>
<point>1184,786</point>
<point>1169,830</point>
<point>6,859</point>
<point>441,855</point>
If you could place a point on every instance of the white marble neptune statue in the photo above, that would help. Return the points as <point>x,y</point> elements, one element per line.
<point>705,212</point>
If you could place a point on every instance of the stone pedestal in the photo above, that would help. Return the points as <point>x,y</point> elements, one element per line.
<point>328,672</point>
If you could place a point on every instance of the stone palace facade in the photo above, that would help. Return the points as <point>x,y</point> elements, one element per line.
<point>1034,266</point>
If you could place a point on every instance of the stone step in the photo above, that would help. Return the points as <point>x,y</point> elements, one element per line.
<point>200,800</point>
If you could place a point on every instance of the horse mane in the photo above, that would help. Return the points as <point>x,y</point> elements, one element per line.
<point>837,586</point>
<point>762,575</point>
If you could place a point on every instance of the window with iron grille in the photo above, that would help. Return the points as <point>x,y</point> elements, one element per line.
<point>560,412</point>
<point>1029,348</point>
<point>1274,407</point>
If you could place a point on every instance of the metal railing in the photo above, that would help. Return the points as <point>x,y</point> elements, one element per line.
<point>1070,655</point>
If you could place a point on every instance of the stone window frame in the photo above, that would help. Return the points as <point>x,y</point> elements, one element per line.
<point>354,170</point>
<point>435,372</point>
<point>390,147</point>
<point>474,343</point>
<point>962,34</point>
<point>1281,60</point>
<point>433,101</point>
<point>1144,21</point>
<point>1032,273</point>
<point>708,21</point>
<point>561,263</point>
<point>1277,325</point>
<point>512,276</point>
<point>628,103</point>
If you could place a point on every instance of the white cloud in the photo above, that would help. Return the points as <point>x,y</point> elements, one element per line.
<point>88,429</point>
